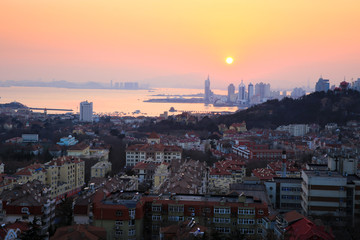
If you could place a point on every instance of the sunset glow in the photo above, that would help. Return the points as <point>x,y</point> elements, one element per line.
<point>229,60</point>
<point>285,43</point>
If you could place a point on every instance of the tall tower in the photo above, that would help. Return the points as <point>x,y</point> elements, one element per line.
<point>86,111</point>
<point>242,91</point>
<point>207,90</point>
<point>250,92</point>
<point>231,92</point>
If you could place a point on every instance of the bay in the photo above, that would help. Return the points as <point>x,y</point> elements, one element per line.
<point>107,101</point>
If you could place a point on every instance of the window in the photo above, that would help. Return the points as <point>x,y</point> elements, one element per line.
<point>132,222</point>
<point>222,210</point>
<point>175,218</point>
<point>246,211</point>
<point>156,208</point>
<point>259,221</point>
<point>221,220</point>
<point>259,230</point>
<point>176,208</point>
<point>131,232</point>
<point>247,231</point>
<point>156,217</point>
<point>132,213</point>
<point>246,221</point>
<point>191,209</point>
<point>206,210</point>
<point>118,232</point>
<point>260,212</point>
<point>118,213</point>
<point>223,229</point>
<point>118,223</point>
<point>24,210</point>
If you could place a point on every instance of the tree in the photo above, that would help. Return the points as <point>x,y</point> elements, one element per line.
<point>34,233</point>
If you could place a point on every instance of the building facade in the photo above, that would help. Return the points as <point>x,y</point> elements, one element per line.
<point>86,111</point>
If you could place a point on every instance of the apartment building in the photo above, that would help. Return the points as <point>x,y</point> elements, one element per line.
<point>155,152</point>
<point>100,169</point>
<point>65,176</point>
<point>330,193</point>
<point>185,177</point>
<point>226,215</point>
<point>27,202</point>
<point>129,215</point>
<point>30,173</point>
<point>121,214</point>
<point>258,152</point>
<point>225,173</point>
<point>323,192</point>
<point>284,193</point>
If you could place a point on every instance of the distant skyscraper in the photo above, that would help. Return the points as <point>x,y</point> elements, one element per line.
<point>262,90</point>
<point>250,92</point>
<point>86,111</point>
<point>231,92</point>
<point>322,85</point>
<point>242,94</point>
<point>297,92</point>
<point>207,90</point>
<point>356,85</point>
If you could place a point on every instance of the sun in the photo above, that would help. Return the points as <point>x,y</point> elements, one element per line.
<point>229,60</point>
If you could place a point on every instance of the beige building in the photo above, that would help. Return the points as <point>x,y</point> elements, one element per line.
<point>65,176</point>
<point>100,169</point>
<point>156,153</point>
<point>79,150</point>
<point>225,173</point>
<point>32,172</point>
<point>161,173</point>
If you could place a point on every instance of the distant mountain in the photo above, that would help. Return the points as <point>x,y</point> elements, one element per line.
<point>14,105</point>
<point>55,83</point>
<point>319,107</point>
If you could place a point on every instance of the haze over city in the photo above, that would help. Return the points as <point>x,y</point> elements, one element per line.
<point>178,43</point>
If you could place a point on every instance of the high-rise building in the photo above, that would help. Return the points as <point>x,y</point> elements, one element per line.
<point>250,92</point>
<point>86,111</point>
<point>207,90</point>
<point>262,90</point>
<point>322,85</point>
<point>242,92</point>
<point>356,85</point>
<point>231,93</point>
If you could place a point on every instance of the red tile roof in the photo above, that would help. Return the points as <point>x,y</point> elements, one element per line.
<point>154,135</point>
<point>305,229</point>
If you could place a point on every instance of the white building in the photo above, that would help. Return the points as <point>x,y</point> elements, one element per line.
<point>86,111</point>
<point>324,193</point>
<point>296,130</point>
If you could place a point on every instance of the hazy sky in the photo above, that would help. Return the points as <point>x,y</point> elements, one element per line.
<point>179,42</point>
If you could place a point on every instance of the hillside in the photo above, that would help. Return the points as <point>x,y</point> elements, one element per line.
<point>318,107</point>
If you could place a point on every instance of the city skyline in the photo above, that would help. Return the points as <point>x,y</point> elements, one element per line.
<point>167,44</point>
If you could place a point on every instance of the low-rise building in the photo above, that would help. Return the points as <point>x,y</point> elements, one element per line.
<point>101,169</point>
<point>67,141</point>
<point>225,173</point>
<point>28,202</point>
<point>79,150</point>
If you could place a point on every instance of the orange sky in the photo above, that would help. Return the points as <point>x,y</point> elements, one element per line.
<point>164,43</point>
